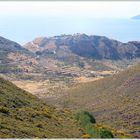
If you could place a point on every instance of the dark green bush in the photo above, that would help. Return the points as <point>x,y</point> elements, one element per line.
<point>1,126</point>
<point>87,121</point>
<point>4,110</point>
<point>104,133</point>
<point>92,119</point>
<point>85,118</point>
<point>39,125</point>
<point>89,129</point>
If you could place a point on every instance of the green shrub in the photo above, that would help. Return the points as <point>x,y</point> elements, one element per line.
<point>39,125</point>
<point>89,129</point>
<point>92,119</point>
<point>85,118</point>
<point>1,126</point>
<point>4,110</point>
<point>104,133</point>
<point>92,131</point>
<point>87,121</point>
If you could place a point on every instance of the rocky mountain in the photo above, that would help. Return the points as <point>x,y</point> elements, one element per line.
<point>14,59</point>
<point>45,65</point>
<point>11,46</point>
<point>7,47</point>
<point>97,47</point>
<point>37,64</point>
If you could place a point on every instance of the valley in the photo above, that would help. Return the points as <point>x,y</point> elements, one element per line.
<point>49,64</point>
<point>75,72</point>
<point>113,100</point>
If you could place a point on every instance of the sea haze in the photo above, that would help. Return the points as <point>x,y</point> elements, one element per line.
<point>24,29</point>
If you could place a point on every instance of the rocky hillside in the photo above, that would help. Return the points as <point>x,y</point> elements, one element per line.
<point>11,46</point>
<point>13,57</point>
<point>22,115</point>
<point>97,47</point>
<point>113,100</point>
<point>47,65</point>
<point>58,69</point>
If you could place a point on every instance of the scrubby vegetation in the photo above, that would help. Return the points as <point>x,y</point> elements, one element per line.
<point>87,121</point>
<point>85,118</point>
<point>113,100</point>
<point>22,115</point>
<point>104,133</point>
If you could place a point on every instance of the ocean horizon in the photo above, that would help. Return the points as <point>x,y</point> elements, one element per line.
<point>26,28</point>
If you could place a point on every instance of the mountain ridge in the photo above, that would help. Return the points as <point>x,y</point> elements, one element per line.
<point>92,46</point>
<point>51,62</point>
<point>8,45</point>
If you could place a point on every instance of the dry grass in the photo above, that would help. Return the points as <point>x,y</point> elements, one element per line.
<point>113,100</point>
<point>84,79</point>
<point>32,86</point>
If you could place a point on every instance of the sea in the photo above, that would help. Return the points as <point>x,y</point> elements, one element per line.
<point>25,28</point>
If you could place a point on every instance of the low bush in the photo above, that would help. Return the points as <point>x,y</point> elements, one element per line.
<point>85,118</point>
<point>4,110</point>
<point>105,133</point>
<point>87,121</point>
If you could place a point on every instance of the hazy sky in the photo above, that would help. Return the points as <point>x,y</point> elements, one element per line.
<point>71,8</point>
<point>23,21</point>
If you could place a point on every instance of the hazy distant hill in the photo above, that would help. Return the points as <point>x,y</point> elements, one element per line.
<point>113,100</point>
<point>41,63</point>
<point>97,47</point>
<point>53,59</point>
<point>136,17</point>
<point>7,47</point>
<point>11,46</point>
<point>14,59</point>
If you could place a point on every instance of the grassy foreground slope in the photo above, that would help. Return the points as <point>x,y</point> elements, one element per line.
<point>114,100</point>
<point>22,115</point>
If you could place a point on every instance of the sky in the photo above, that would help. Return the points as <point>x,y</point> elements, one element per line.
<point>23,21</point>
